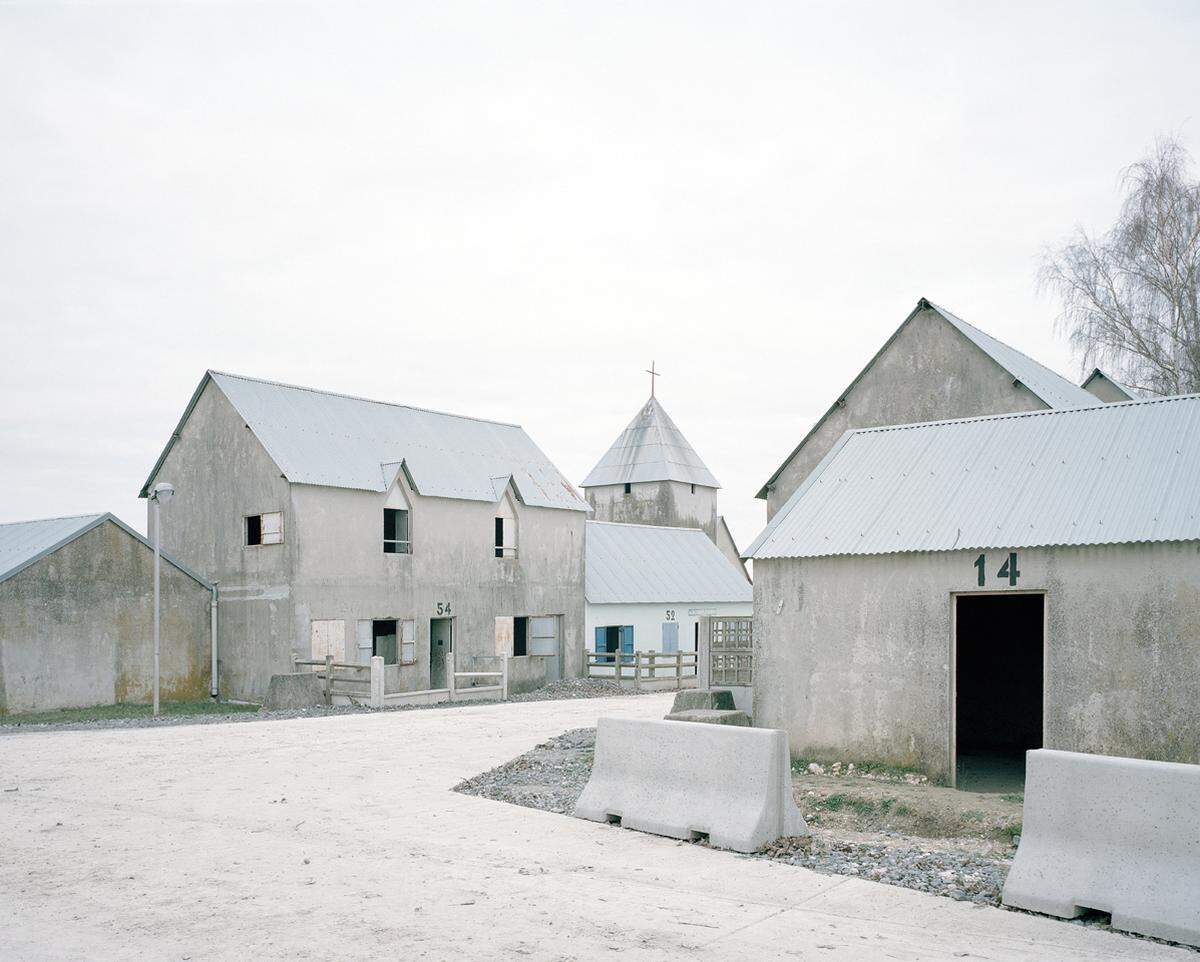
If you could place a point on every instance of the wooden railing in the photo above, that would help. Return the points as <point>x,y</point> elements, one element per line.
<point>329,675</point>
<point>641,665</point>
<point>501,677</point>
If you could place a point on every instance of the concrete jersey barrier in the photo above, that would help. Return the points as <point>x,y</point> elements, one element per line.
<point>686,780</point>
<point>1118,835</point>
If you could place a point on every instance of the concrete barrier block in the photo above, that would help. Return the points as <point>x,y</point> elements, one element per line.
<point>686,781</point>
<point>720,699</point>
<point>711,716</point>
<point>299,690</point>
<point>1118,835</point>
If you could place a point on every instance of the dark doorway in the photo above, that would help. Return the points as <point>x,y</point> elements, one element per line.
<point>998,689</point>
<point>441,641</point>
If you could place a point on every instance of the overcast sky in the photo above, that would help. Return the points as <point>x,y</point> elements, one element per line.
<point>509,210</point>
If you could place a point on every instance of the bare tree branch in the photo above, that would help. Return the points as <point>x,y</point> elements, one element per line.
<point>1131,298</point>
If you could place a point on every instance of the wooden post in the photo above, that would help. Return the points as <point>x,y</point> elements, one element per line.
<point>637,671</point>
<point>504,677</point>
<point>377,671</point>
<point>678,670</point>
<point>450,673</point>
<point>652,658</point>
<point>329,679</point>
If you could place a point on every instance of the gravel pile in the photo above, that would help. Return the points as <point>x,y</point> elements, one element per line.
<point>964,876</point>
<point>576,688</point>
<point>550,778</point>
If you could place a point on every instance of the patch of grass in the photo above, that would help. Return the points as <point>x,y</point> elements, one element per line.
<point>1006,833</point>
<point>1017,798</point>
<point>64,716</point>
<point>860,768</point>
<point>865,807</point>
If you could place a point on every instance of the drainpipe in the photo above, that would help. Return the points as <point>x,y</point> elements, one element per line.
<point>213,620</point>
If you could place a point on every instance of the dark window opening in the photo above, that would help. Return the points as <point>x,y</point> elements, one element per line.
<point>520,637</point>
<point>499,537</point>
<point>395,532</point>
<point>266,528</point>
<point>254,529</point>
<point>628,487</point>
<point>998,688</point>
<point>383,640</point>
<point>693,489</point>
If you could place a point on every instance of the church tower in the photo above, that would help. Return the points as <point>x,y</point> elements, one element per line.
<point>652,475</point>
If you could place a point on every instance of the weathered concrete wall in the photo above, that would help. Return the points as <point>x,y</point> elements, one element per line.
<point>930,372</point>
<point>670,504</point>
<point>1105,390</point>
<point>342,573</point>
<point>76,628</point>
<point>222,474</point>
<point>853,654</point>
<point>331,564</point>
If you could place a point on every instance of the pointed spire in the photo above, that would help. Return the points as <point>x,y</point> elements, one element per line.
<point>651,448</point>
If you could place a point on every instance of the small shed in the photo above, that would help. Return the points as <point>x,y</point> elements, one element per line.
<point>647,587</point>
<point>961,591</point>
<point>76,617</point>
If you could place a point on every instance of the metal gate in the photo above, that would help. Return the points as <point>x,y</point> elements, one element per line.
<point>731,651</point>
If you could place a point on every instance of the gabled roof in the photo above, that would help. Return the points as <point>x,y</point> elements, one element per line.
<point>644,564</point>
<point>1106,474</point>
<point>1054,390</point>
<point>321,438</point>
<point>1098,375</point>
<point>651,448</point>
<point>23,543</point>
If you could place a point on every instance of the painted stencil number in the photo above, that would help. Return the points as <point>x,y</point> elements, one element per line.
<point>1008,570</point>
<point>443,607</point>
<point>670,614</point>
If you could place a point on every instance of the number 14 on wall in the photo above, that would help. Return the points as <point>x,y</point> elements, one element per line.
<point>1007,570</point>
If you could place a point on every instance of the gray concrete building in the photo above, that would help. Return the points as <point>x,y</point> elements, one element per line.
<point>76,617</point>
<point>934,366</point>
<point>342,526</point>
<point>952,593</point>
<point>1107,389</point>
<point>652,475</point>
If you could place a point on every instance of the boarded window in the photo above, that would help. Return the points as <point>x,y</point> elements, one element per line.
<point>520,636</point>
<point>264,528</point>
<point>543,635</point>
<point>328,638</point>
<point>504,635</point>
<point>670,637</point>
<point>395,531</point>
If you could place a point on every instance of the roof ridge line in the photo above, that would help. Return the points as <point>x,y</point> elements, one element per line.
<point>1089,408</point>
<point>1034,360</point>
<point>365,400</point>
<point>635,524</point>
<point>62,517</point>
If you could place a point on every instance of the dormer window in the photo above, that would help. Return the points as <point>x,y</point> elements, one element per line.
<point>395,531</point>
<point>397,527</point>
<point>505,529</point>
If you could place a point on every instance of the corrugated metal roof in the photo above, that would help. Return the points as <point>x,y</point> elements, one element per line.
<point>23,543</point>
<point>1054,389</point>
<point>1106,474</point>
<point>651,448</point>
<point>316,437</point>
<point>642,564</point>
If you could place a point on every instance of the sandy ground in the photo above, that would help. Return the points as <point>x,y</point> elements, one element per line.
<point>338,838</point>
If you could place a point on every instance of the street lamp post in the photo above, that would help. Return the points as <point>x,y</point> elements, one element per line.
<point>162,492</point>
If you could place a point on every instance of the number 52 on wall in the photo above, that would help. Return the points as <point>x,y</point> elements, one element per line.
<point>1007,570</point>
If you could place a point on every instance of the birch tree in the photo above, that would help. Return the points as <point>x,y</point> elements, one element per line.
<point>1131,296</point>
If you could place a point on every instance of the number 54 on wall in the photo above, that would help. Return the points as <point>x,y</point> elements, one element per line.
<point>1007,570</point>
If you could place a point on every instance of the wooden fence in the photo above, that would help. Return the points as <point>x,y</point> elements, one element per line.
<point>331,672</point>
<point>641,665</point>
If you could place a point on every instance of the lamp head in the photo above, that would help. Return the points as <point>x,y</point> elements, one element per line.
<point>162,492</point>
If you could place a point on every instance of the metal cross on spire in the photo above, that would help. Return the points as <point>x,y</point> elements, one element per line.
<point>653,374</point>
